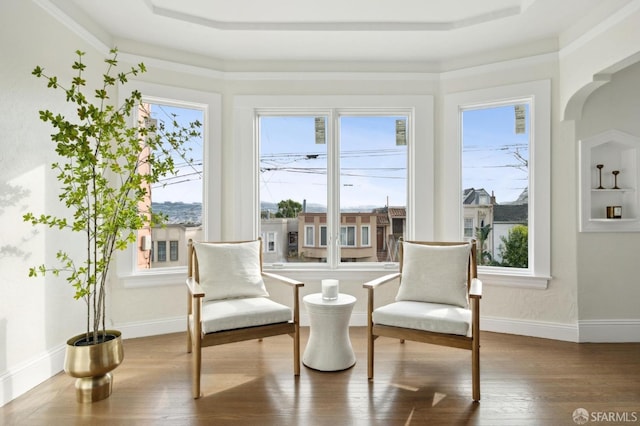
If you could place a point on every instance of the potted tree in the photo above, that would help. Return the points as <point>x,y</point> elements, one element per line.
<point>106,169</point>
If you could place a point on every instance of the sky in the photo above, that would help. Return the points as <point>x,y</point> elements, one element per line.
<point>294,166</point>
<point>186,186</point>
<point>494,156</point>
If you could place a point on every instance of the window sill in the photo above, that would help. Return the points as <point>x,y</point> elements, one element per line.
<point>515,280</point>
<point>349,272</point>
<point>176,276</point>
<point>155,278</point>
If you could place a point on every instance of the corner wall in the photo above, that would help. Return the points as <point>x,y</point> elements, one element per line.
<point>608,261</point>
<point>37,315</point>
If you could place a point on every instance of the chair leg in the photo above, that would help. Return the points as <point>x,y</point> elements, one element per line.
<point>475,349</point>
<point>370,354</point>
<point>189,312</point>
<point>370,306</point>
<point>189,339</point>
<point>197,367</point>
<point>296,351</point>
<point>475,367</point>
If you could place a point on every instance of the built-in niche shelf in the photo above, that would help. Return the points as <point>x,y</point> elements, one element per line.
<point>613,150</point>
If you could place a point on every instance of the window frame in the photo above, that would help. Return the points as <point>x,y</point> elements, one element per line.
<point>538,274</point>
<point>364,243</point>
<point>270,238</point>
<point>174,244</point>
<point>323,227</point>
<point>471,228</point>
<point>211,105</point>
<point>346,236</point>
<point>419,110</point>
<point>309,240</point>
<point>161,247</point>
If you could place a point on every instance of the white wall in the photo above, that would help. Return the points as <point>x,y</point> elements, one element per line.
<point>36,315</point>
<point>598,86</point>
<point>609,287</point>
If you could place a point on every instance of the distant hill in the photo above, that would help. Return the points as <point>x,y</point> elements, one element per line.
<point>319,208</point>
<point>190,214</point>
<point>180,213</point>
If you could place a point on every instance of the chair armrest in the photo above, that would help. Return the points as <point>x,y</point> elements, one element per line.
<point>476,289</point>
<point>194,288</point>
<point>283,279</point>
<point>295,286</point>
<point>381,280</point>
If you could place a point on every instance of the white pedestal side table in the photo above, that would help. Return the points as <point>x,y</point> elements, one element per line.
<point>329,347</point>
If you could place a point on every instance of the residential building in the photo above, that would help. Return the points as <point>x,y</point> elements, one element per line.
<point>505,217</point>
<point>356,237</point>
<point>169,244</point>
<point>279,239</point>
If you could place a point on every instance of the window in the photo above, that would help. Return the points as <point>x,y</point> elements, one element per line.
<point>468,227</point>
<point>323,235</point>
<point>307,176</point>
<point>177,197</point>
<point>348,236</point>
<point>365,235</point>
<point>270,243</point>
<point>173,251</point>
<point>503,176</point>
<point>344,160</point>
<point>495,180</point>
<point>309,232</point>
<point>204,170</point>
<point>162,251</point>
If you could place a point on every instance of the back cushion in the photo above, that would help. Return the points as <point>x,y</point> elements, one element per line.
<point>436,274</point>
<point>230,270</point>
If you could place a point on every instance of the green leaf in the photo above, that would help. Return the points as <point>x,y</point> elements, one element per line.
<point>98,174</point>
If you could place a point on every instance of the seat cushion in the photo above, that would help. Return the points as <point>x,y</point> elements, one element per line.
<point>435,274</point>
<point>230,314</point>
<point>434,317</point>
<point>230,270</point>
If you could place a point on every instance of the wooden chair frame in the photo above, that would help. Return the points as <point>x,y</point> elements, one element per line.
<point>472,343</point>
<point>196,339</point>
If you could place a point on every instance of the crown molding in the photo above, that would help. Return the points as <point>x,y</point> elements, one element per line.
<point>66,19</point>
<point>331,26</point>
<point>72,24</point>
<point>599,29</point>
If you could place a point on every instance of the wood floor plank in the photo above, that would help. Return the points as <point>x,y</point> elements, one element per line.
<point>525,381</point>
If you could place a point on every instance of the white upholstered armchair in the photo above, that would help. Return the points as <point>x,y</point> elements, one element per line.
<point>438,301</point>
<point>228,301</point>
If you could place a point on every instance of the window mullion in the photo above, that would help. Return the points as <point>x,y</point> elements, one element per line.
<point>333,188</point>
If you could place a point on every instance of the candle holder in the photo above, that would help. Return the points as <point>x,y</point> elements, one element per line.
<point>330,289</point>
<point>600,166</point>
<point>614,212</point>
<point>615,178</point>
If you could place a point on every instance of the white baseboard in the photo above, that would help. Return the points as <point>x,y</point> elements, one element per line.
<point>27,375</point>
<point>605,331</point>
<point>609,331</point>
<point>546,330</point>
<point>133,330</point>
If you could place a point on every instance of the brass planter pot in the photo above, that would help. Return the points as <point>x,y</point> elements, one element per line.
<point>92,365</point>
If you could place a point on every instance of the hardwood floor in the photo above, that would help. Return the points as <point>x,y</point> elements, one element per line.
<point>525,381</point>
